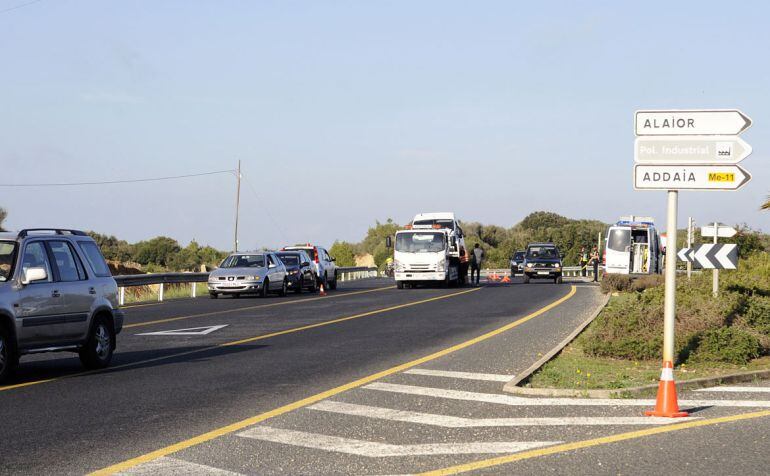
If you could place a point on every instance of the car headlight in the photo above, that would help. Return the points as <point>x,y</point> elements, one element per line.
<point>556,265</point>
<point>292,273</point>
<point>251,278</point>
<point>441,266</point>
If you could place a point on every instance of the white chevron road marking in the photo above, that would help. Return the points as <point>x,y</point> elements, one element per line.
<point>461,375</point>
<point>447,421</point>
<point>520,401</point>
<point>175,467</point>
<point>373,449</point>
<point>735,389</point>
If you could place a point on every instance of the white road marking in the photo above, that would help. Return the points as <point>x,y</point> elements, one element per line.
<point>173,466</point>
<point>535,401</point>
<point>461,375</point>
<point>373,449</point>
<point>735,389</point>
<point>447,421</point>
<point>192,331</point>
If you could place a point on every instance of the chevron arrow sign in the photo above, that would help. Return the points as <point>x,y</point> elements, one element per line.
<point>716,256</point>
<point>685,254</point>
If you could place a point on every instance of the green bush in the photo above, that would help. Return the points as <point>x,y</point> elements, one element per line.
<point>615,283</point>
<point>727,344</point>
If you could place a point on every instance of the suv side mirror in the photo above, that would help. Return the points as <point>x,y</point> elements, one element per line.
<point>334,259</point>
<point>33,274</point>
<point>305,263</point>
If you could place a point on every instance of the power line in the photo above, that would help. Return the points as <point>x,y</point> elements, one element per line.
<point>20,6</point>
<point>265,210</point>
<point>113,182</point>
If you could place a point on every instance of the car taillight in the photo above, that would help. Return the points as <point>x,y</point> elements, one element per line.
<point>315,254</point>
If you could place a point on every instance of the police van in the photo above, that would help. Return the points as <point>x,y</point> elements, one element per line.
<point>633,246</point>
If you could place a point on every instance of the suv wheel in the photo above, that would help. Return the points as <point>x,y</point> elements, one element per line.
<point>284,288</point>
<point>100,345</point>
<point>300,285</point>
<point>526,279</point>
<point>333,284</point>
<point>557,280</point>
<point>8,359</point>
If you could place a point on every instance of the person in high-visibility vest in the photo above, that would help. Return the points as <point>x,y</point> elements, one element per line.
<point>583,261</point>
<point>595,262</point>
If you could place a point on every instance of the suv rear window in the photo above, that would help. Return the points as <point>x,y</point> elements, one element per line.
<point>95,258</point>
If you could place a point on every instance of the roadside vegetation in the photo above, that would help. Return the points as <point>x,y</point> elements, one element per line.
<point>714,336</point>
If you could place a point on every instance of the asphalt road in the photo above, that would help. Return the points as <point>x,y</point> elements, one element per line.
<point>369,380</point>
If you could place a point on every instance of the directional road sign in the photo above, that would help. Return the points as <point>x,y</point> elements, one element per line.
<point>690,150</point>
<point>690,123</point>
<point>689,177</point>
<point>716,256</point>
<point>722,231</point>
<point>686,254</point>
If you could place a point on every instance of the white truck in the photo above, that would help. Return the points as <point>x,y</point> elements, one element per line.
<point>633,246</point>
<point>431,248</point>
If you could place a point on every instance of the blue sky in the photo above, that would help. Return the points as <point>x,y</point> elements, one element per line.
<point>347,112</point>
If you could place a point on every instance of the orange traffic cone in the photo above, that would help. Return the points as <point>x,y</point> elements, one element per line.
<point>666,404</point>
<point>492,277</point>
<point>321,291</point>
<point>505,279</point>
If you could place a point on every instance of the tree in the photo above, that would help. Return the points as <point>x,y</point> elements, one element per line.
<point>3,215</point>
<point>343,252</point>
<point>157,251</point>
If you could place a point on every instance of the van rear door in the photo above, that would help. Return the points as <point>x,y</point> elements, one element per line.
<point>618,250</point>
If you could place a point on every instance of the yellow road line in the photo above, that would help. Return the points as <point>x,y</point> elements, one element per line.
<point>251,308</point>
<point>225,430</point>
<point>242,341</point>
<point>487,463</point>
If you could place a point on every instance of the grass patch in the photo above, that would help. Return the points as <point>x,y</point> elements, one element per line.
<point>140,294</point>
<point>573,369</point>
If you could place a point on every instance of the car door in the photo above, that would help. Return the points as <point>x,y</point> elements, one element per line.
<point>329,265</point>
<point>618,251</point>
<point>273,272</point>
<point>41,306</point>
<point>78,293</point>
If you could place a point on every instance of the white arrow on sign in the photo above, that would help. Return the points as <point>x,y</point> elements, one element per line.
<point>723,231</point>
<point>192,331</point>
<point>717,256</point>
<point>690,123</point>
<point>685,254</point>
<point>690,150</point>
<point>689,177</point>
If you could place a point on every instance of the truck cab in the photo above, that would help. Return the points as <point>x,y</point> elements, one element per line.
<point>457,251</point>
<point>633,247</point>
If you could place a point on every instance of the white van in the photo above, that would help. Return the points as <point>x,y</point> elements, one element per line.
<point>633,247</point>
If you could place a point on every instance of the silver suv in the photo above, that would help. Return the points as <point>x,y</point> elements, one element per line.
<point>56,294</point>
<point>325,266</point>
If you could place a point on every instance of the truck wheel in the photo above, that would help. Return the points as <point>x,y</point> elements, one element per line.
<point>8,358</point>
<point>526,279</point>
<point>97,352</point>
<point>400,284</point>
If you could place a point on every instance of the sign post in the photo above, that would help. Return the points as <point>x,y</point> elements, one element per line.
<point>685,150</point>
<point>689,245</point>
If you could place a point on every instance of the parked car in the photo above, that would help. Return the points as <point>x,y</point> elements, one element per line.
<point>325,266</point>
<point>299,270</point>
<point>517,262</point>
<point>56,294</point>
<point>542,261</point>
<point>249,273</point>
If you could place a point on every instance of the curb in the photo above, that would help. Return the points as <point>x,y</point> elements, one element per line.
<point>513,385</point>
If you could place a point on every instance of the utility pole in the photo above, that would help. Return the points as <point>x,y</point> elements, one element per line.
<point>690,223</point>
<point>715,285</point>
<point>237,204</point>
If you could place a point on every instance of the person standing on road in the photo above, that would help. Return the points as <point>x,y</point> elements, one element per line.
<point>595,262</point>
<point>477,257</point>
<point>583,261</point>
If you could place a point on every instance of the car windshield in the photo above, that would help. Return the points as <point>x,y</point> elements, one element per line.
<point>7,257</point>
<point>289,259</point>
<point>542,252</point>
<point>244,261</point>
<point>420,242</point>
<point>450,224</point>
<point>518,255</point>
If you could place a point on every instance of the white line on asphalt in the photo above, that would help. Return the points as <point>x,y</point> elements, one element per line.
<point>373,449</point>
<point>447,421</point>
<point>461,375</point>
<point>520,401</point>
<point>735,389</point>
<point>174,466</point>
<point>192,331</point>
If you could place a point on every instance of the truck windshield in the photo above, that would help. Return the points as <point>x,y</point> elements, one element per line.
<point>244,261</point>
<point>420,242</point>
<point>7,257</point>
<point>619,239</point>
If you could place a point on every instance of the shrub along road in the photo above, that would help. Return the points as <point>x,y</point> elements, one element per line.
<point>382,381</point>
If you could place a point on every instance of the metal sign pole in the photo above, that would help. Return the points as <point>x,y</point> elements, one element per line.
<point>715,286</point>
<point>237,205</point>
<point>669,310</point>
<point>689,245</point>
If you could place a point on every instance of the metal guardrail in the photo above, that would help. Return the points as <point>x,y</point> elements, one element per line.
<point>567,271</point>
<point>161,279</point>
